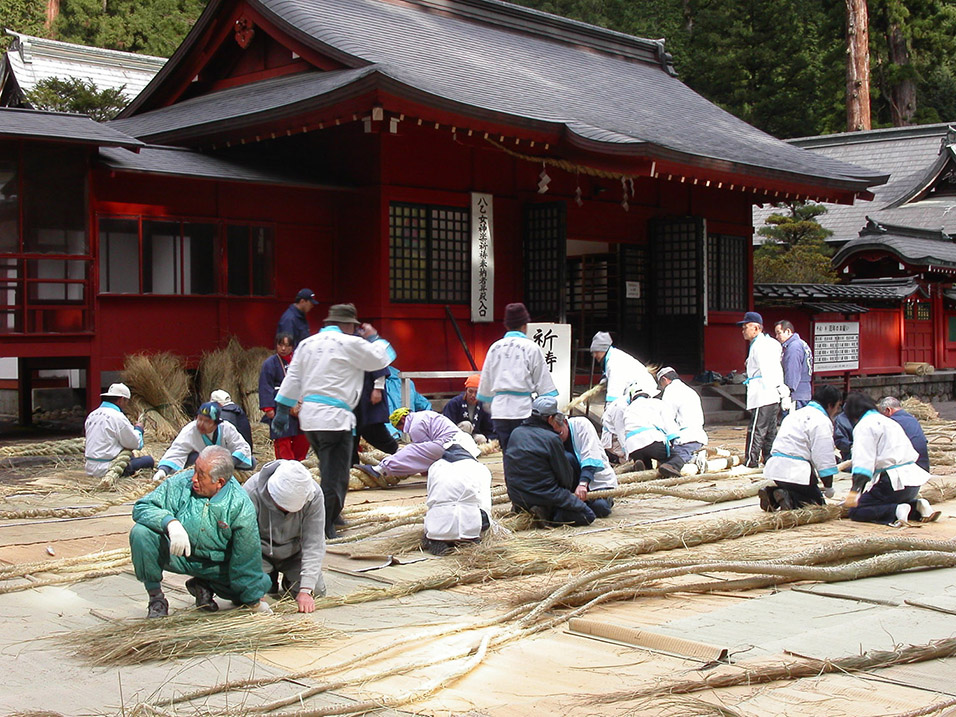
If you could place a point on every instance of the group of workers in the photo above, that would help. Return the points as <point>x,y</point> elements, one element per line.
<point>241,542</point>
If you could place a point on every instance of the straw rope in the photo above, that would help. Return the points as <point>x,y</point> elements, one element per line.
<point>69,446</point>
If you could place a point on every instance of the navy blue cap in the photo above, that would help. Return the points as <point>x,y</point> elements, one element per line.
<point>306,294</point>
<point>212,410</point>
<point>751,317</point>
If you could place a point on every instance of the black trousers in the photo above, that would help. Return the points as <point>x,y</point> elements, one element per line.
<point>878,504</point>
<point>760,433</point>
<point>657,451</point>
<point>377,436</point>
<point>504,427</point>
<point>801,495</point>
<point>334,451</point>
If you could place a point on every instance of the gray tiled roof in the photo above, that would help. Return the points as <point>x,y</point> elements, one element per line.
<point>912,245</point>
<point>907,154</point>
<point>826,307</point>
<point>872,290</point>
<point>189,163</point>
<point>491,59</point>
<point>74,129</point>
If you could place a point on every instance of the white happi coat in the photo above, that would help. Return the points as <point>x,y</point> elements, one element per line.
<point>457,492</point>
<point>647,421</point>
<point>687,412</point>
<point>327,372</point>
<point>191,439</point>
<point>590,452</point>
<point>621,369</point>
<point>612,424</point>
<point>804,438</point>
<point>765,372</point>
<point>108,431</point>
<point>514,368</point>
<point>880,444</point>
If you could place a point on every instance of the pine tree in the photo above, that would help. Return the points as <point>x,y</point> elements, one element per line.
<point>795,250</point>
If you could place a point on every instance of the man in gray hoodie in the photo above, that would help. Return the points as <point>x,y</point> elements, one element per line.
<point>291,513</point>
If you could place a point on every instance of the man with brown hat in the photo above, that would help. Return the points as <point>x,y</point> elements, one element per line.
<point>514,369</point>
<point>327,372</point>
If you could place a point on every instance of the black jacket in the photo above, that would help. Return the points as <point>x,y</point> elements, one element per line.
<point>537,471</point>
<point>237,417</point>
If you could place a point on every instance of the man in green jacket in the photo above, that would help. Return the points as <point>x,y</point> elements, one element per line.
<point>200,522</point>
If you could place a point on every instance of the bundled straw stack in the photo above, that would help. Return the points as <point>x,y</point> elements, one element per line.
<point>159,384</point>
<point>235,370</point>
<point>922,411</point>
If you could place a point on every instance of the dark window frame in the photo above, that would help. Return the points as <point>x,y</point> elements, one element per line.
<point>727,286</point>
<point>435,267</point>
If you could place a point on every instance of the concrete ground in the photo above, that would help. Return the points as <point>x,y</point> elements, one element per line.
<point>556,671</point>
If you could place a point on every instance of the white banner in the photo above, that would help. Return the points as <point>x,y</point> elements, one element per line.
<point>555,343</point>
<point>482,259</point>
<point>836,346</point>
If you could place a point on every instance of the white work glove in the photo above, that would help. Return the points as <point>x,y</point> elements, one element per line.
<point>262,606</point>
<point>178,539</point>
<point>828,492</point>
<point>159,476</point>
<point>786,403</point>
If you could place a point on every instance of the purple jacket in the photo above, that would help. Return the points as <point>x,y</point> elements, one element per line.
<point>797,363</point>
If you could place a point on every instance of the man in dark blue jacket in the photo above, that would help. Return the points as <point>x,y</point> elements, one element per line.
<point>293,321</point>
<point>538,475</point>
<point>797,360</point>
<point>466,407</point>
<point>892,408</point>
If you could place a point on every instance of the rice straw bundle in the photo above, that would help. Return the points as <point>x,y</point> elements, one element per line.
<point>248,366</point>
<point>217,370</point>
<point>922,411</point>
<point>193,633</point>
<point>159,384</point>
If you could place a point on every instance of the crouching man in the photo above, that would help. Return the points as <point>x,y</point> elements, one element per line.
<point>459,501</point>
<point>200,523</point>
<point>538,475</point>
<point>587,458</point>
<point>802,453</point>
<point>291,510</point>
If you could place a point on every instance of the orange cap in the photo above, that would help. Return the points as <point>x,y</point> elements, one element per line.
<point>472,381</point>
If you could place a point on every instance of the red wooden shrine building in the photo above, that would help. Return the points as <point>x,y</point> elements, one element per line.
<point>337,144</point>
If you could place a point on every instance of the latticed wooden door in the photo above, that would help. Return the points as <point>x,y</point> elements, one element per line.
<point>545,247</point>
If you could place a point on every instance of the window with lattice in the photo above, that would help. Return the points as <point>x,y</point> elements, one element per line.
<point>727,264</point>
<point>429,254</point>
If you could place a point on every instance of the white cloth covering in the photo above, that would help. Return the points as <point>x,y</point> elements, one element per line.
<point>687,412</point>
<point>647,421</point>
<point>880,444</point>
<point>108,431</point>
<point>514,368</point>
<point>590,452</point>
<point>621,370</point>
<point>805,438</point>
<point>457,492</point>
<point>764,372</point>
<point>327,372</point>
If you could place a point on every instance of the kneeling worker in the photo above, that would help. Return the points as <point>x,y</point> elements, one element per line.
<point>207,430</point>
<point>459,501</point>
<point>109,431</point>
<point>291,512</point>
<point>803,451</point>
<point>587,458</point>
<point>200,523</point>
<point>538,475</point>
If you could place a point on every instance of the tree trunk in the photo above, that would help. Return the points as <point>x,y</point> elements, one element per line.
<point>903,93</point>
<point>857,66</point>
<point>52,12</point>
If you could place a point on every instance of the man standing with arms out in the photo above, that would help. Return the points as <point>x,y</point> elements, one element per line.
<point>200,523</point>
<point>684,406</point>
<point>892,408</point>
<point>514,369</point>
<point>797,363</point>
<point>293,320</point>
<point>292,529</point>
<point>291,444</point>
<point>327,373</point>
<point>620,369</point>
<point>108,432</point>
<point>766,391</point>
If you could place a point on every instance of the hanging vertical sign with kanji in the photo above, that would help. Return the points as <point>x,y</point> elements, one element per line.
<point>482,259</point>
<point>555,343</point>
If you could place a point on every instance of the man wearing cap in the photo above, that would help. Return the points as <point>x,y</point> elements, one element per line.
<point>207,430</point>
<point>430,434</point>
<point>233,413</point>
<point>538,476</point>
<point>290,443</point>
<point>466,408</point>
<point>293,320</point>
<point>291,514</point>
<point>327,372</point>
<point>109,431</point>
<point>200,523</point>
<point>797,360</point>
<point>766,391</point>
<point>620,368</point>
<point>514,368</point>
<point>683,404</point>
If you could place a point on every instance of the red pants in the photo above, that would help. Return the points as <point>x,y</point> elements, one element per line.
<point>293,448</point>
